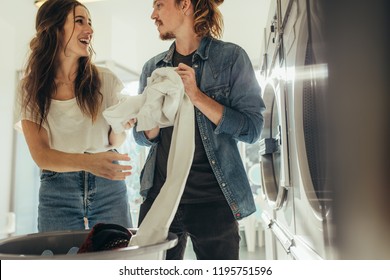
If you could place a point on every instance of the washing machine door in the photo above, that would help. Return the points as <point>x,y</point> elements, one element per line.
<point>273,145</point>
<point>310,108</point>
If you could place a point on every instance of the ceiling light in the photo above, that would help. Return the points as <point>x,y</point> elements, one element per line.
<point>39,3</point>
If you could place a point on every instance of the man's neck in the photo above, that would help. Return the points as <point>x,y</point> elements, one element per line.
<point>186,46</point>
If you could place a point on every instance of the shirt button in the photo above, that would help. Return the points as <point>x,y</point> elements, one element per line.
<point>205,138</point>
<point>213,161</point>
<point>223,184</point>
<point>196,65</point>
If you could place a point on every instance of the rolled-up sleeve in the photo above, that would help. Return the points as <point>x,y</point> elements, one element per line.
<point>243,118</point>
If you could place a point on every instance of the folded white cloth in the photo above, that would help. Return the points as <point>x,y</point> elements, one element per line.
<point>163,103</point>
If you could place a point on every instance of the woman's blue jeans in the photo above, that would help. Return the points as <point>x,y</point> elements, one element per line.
<point>211,226</point>
<point>79,200</point>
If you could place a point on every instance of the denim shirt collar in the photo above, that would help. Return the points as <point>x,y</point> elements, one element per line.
<point>202,51</point>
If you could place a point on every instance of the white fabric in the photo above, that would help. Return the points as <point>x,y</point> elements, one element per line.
<point>70,131</point>
<point>163,103</point>
<point>158,107</point>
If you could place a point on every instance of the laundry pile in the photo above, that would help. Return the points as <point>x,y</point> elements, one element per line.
<point>102,237</point>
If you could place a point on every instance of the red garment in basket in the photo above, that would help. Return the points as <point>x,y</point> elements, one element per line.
<point>105,237</point>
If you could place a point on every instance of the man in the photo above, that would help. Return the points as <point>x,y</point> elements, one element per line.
<point>219,80</point>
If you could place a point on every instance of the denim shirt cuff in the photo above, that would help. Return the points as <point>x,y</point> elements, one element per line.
<point>231,122</point>
<point>141,139</point>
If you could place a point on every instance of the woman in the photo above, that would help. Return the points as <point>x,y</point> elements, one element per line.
<point>63,96</point>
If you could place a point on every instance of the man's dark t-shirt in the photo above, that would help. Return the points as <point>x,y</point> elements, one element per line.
<point>201,185</point>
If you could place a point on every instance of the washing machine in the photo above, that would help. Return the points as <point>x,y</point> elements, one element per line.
<point>277,206</point>
<point>308,138</point>
<point>293,152</point>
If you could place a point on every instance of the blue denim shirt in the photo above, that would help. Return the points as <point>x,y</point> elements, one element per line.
<point>223,72</point>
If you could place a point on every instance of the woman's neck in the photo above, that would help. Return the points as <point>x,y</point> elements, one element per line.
<point>67,71</point>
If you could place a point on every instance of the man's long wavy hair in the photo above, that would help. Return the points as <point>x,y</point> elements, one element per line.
<point>208,18</point>
<point>38,85</point>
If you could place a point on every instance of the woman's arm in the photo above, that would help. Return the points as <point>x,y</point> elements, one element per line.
<point>100,164</point>
<point>115,139</point>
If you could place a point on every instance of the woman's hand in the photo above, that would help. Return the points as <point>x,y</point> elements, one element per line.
<point>117,140</point>
<point>104,165</point>
<point>130,123</point>
<point>99,164</point>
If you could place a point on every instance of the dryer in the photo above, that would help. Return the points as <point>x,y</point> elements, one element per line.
<point>293,145</point>
<point>308,146</point>
<point>278,211</point>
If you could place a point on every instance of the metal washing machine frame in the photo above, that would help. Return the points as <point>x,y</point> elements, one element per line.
<point>308,137</point>
<point>296,211</point>
<point>277,197</point>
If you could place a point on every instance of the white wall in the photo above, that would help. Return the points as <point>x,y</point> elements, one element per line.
<point>134,37</point>
<point>7,83</point>
<point>16,25</point>
<point>244,23</point>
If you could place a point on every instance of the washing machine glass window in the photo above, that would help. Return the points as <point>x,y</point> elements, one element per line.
<point>314,128</point>
<point>270,150</point>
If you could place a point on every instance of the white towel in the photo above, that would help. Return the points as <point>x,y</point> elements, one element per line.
<point>162,104</point>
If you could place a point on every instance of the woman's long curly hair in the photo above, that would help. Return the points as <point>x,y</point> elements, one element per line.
<point>208,18</point>
<point>38,84</point>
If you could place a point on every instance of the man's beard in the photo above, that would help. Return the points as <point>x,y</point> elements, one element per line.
<point>167,36</point>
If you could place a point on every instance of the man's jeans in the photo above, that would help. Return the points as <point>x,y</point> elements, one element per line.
<point>211,226</point>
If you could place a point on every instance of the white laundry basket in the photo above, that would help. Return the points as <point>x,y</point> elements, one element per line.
<point>33,246</point>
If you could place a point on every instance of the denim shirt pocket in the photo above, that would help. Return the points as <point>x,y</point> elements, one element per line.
<point>220,94</point>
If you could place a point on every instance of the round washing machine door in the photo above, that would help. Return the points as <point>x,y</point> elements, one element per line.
<point>273,146</point>
<point>310,117</point>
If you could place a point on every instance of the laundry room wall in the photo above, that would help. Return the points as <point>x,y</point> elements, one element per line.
<point>17,21</point>
<point>125,33</point>
<point>7,85</point>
